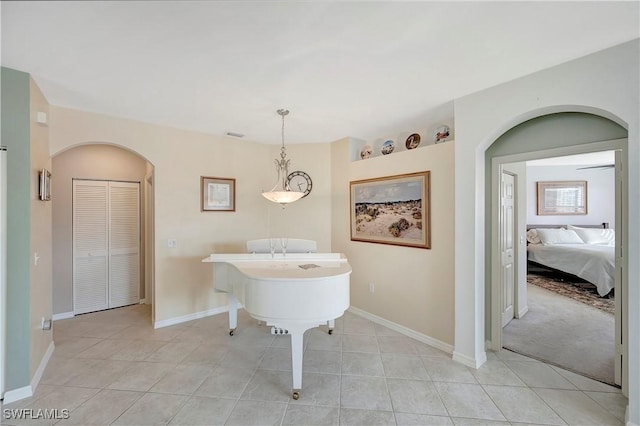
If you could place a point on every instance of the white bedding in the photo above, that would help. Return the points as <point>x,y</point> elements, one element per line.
<point>592,262</point>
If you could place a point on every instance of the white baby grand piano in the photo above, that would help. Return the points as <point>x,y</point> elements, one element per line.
<point>291,292</point>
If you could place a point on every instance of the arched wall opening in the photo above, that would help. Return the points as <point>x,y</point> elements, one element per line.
<point>590,84</point>
<point>544,136</point>
<point>96,161</point>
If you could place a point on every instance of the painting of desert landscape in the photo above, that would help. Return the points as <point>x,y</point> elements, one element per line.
<point>391,210</point>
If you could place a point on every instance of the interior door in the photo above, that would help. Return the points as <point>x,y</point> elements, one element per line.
<point>106,245</point>
<point>507,228</point>
<point>124,243</point>
<point>90,246</point>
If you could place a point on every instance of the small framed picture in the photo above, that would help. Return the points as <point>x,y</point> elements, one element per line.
<point>217,194</point>
<point>44,179</point>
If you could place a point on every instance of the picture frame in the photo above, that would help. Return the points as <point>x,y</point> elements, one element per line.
<point>562,197</point>
<point>392,210</point>
<point>217,194</point>
<point>44,185</point>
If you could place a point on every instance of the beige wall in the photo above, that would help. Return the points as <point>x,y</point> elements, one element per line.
<point>183,285</point>
<point>40,234</point>
<point>100,162</point>
<point>421,298</point>
<point>413,287</point>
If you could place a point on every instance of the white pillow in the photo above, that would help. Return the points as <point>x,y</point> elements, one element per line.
<point>595,235</point>
<point>558,236</point>
<point>532,237</point>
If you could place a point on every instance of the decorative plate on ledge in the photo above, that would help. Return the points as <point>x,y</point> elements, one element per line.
<point>366,152</point>
<point>441,134</point>
<point>387,147</point>
<point>412,141</point>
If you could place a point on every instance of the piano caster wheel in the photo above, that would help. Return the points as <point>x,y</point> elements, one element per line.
<point>296,395</point>
<point>231,332</point>
<point>331,331</point>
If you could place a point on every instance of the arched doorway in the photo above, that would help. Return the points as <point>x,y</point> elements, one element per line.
<point>542,137</point>
<point>98,162</point>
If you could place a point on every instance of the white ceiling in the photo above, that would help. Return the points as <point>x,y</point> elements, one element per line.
<point>359,69</point>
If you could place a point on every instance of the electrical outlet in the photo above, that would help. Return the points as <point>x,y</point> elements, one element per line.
<point>45,324</point>
<point>172,243</point>
<point>372,288</point>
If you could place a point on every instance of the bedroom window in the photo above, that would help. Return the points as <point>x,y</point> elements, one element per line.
<point>562,198</point>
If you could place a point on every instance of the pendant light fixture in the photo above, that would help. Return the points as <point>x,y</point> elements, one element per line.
<point>282,195</point>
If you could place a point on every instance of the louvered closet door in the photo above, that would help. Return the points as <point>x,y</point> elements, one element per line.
<point>90,246</point>
<point>124,244</point>
<point>106,245</point>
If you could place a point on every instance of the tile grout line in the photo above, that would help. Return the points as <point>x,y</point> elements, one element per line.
<point>531,388</point>
<point>288,404</point>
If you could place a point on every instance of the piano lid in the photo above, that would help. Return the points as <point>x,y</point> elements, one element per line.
<point>294,266</point>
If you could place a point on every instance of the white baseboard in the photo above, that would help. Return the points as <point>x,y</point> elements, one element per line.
<point>523,311</point>
<point>438,344</point>
<point>177,320</point>
<point>628,422</point>
<point>27,391</point>
<point>143,301</point>
<point>17,394</point>
<point>468,361</point>
<point>64,315</point>
<point>43,364</point>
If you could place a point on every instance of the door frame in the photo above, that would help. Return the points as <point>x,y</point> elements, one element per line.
<point>3,267</point>
<point>149,241</point>
<point>621,288</point>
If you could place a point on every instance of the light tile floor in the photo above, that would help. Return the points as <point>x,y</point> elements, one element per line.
<point>113,368</point>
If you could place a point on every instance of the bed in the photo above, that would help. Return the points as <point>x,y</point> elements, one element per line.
<point>586,252</point>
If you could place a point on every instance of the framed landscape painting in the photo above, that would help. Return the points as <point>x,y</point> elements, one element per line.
<point>392,210</point>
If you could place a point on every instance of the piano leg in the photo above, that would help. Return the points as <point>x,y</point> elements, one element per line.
<point>233,313</point>
<point>331,324</point>
<point>297,337</point>
<point>297,330</point>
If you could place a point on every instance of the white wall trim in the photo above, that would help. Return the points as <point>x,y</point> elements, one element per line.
<point>523,311</point>
<point>178,320</point>
<point>27,391</point>
<point>468,361</point>
<point>17,394</point>
<point>143,301</point>
<point>64,315</point>
<point>626,417</point>
<point>43,364</point>
<point>438,344</point>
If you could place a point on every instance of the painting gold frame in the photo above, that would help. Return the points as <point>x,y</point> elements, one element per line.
<point>562,197</point>
<point>392,210</point>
